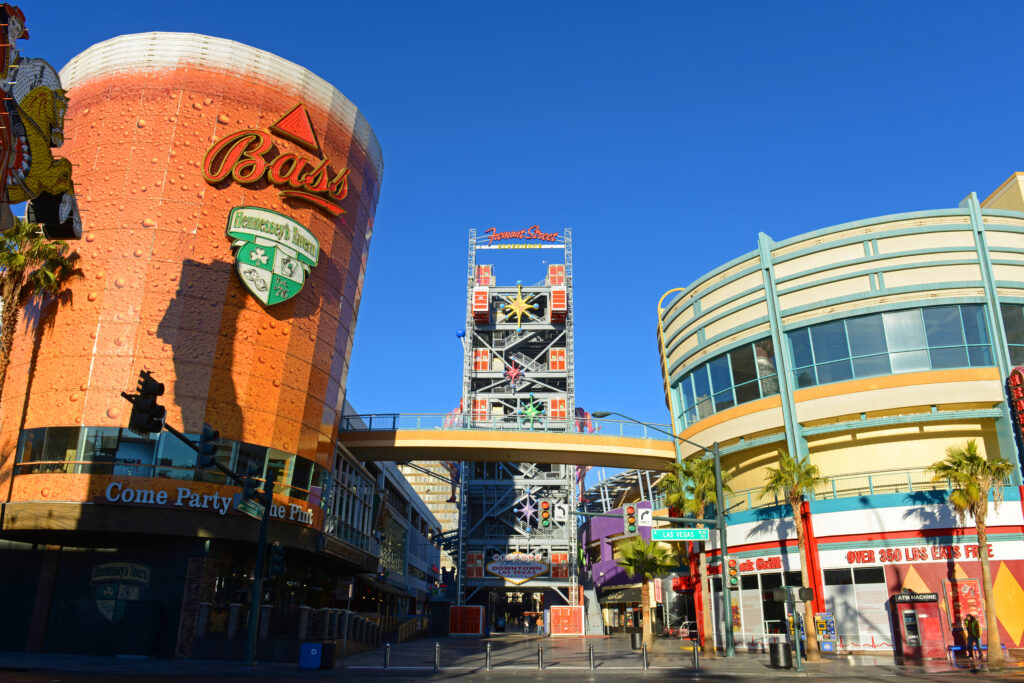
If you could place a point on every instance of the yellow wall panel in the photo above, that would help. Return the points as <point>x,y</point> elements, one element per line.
<point>936,275</point>
<point>960,238</point>
<point>834,290</point>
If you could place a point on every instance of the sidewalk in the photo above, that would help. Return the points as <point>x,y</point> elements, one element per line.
<point>512,655</point>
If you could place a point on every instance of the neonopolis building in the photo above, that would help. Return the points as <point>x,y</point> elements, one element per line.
<point>868,347</point>
<point>229,197</point>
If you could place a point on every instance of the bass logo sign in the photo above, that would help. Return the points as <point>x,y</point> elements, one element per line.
<point>273,252</point>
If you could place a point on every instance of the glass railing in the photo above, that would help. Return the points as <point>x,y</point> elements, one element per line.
<point>520,423</point>
<point>848,486</point>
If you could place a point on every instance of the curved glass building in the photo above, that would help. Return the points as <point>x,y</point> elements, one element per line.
<point>869,348</point>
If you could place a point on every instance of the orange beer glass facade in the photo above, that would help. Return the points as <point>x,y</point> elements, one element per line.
<point>249,325</point>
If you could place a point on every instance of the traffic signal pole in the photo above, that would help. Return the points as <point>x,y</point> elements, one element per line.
<point>727,636</point>
<point>148,417</point>
<point>718,523</point>
<point>257,580</point>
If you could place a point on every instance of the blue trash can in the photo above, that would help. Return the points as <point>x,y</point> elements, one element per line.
<point>310,655</point>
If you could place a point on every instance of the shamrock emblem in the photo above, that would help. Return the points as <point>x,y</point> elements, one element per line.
<point>258,255</point>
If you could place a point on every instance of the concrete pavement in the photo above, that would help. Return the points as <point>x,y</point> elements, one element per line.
<point>512,656</point>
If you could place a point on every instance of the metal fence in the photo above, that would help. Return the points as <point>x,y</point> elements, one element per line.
<point>514,423</point>
<point>849,486</point>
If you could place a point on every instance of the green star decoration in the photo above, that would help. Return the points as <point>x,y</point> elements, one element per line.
<point>531,412</point>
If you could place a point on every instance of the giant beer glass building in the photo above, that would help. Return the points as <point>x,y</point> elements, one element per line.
<point>229,198</point>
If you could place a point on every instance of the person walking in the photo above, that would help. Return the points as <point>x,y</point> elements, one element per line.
<point>526,624</point>
<point>540,626</point>
<point>973,636</point>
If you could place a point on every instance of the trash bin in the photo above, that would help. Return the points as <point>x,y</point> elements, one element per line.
<point>310,655</point>
<point>780,656</point>
<point>635,639</point>
<point>328,655</point>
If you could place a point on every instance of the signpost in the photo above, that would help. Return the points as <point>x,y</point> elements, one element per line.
<point>643,517</point>
<point>680,534</point>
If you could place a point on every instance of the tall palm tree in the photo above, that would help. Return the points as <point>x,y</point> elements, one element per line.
<point>792,479</point>
<point>972,477</point>
<point>30,267</point>
<point>690,487</point>
<point>648,561</point>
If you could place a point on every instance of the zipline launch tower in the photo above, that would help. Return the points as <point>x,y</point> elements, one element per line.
<point>517,538</point>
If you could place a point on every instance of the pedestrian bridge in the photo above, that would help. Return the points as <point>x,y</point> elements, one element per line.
<point>597,443</point>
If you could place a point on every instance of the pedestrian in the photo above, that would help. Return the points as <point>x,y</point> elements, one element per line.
<point>540,626</point>
<point>973,636</point>
<point>526,624</point>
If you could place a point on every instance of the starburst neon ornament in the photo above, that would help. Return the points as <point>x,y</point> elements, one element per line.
<point>520,306</point>
<point>531,412</point>
<point>527,510</point>
<point>514,375</point>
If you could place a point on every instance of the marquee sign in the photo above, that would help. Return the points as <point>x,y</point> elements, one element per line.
<point>517,568</point>
<point>274,253</point>
<point>249,156</point>
<point>532,233</point>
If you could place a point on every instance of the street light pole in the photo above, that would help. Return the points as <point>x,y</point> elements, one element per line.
<point>727,635</point>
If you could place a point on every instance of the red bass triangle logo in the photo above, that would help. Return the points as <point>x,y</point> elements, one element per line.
<point>296,126</point>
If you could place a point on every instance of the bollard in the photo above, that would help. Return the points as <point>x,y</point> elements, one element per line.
<point>487,665</point>
<point>591,656</point>
<point>696,659</point>
<point>437,656</point>
<point>387,655</point>
<point>540,656</point>
<point>643,651</point>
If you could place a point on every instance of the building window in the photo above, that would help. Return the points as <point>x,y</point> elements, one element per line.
<point>931,338</point>
<point>744,374</point>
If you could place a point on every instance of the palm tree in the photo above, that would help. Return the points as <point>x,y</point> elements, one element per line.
<point>30,266</point>
<point>648,561</point>
<point>690,487</point>
<point>972,477</point>
<point>792,479</point>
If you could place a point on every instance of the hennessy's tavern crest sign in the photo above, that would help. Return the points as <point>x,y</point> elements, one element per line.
<point>273,252</point>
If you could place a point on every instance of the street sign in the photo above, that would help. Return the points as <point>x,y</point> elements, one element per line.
<point>643,517</point>
<point>251,508</point>
<point>679,534</point>
<point>561,512</point>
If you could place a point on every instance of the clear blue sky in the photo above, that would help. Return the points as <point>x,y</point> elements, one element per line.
<point>666,134</point>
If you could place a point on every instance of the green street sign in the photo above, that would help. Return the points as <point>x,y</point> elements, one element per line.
<point>251,508</point>
<point>679,534</point>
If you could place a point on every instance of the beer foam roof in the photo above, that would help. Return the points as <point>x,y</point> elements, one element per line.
<point>159,50</point>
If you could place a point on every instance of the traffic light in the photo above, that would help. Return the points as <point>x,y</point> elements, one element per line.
<point>207,446</point>
<point>251,488</point>
<point>147,415</point>
<point>276,566</point>
<point>733,572</point>
<point>545,513</point>
<point>629,520</point>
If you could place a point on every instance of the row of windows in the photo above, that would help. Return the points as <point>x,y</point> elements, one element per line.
<point>116,451</point>
<point>346,498</point>
<point>931,338</point>
<point>746,373</point>
<point>912,340</point>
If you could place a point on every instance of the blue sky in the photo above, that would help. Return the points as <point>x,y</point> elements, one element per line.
<point>666,134</point>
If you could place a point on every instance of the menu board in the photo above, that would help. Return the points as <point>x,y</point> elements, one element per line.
<point>751,601</point>
<point>963,597</point>
<point>872,615</point>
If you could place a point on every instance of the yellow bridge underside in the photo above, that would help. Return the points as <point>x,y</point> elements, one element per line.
<point>496,446</point>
